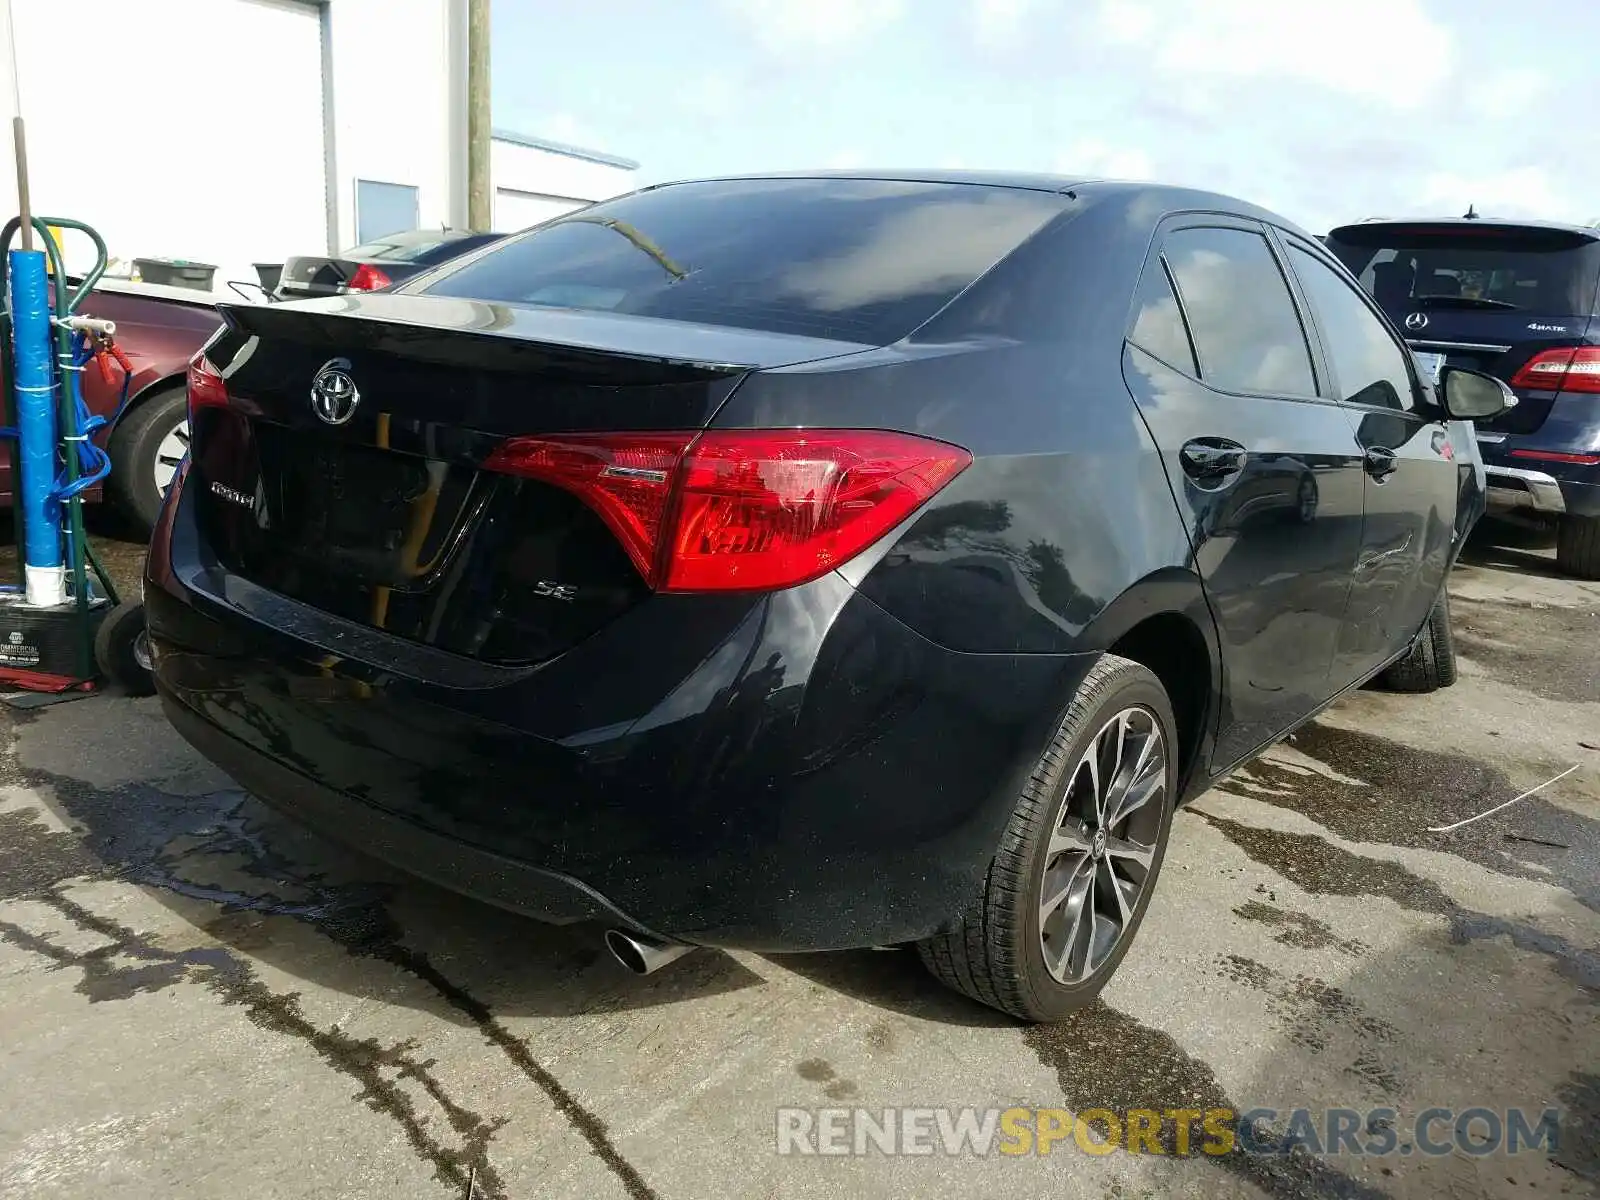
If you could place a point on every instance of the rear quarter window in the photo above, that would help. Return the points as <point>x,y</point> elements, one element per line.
<point>858,260</point>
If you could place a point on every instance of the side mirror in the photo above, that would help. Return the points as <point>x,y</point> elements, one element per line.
<point>1474,396</point>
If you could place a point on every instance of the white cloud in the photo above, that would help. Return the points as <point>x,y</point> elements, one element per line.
<point>1126,21</point>
<point>1518,192</point>
<point>1000,22</point>
<point>1390,51</point>
<point>1098,159</point>
<point>709,95</point>
<point>790,26</point>
<point>1506,93</point>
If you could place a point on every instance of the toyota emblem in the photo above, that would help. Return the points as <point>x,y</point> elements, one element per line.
<point>334,395</point>
<point>1417,321</point>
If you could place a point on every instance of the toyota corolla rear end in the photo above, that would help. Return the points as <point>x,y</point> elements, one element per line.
<point>535,580</point>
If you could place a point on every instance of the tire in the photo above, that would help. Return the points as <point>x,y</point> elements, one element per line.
<point>121,652</point>
<point>136,449</point>
<point>995,951</point>
<point>1431,662</point>
<point>1578,547</point>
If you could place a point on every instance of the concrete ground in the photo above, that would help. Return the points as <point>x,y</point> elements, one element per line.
<point>199,999</point>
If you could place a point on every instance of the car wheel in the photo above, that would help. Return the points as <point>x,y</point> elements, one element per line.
<point>1431,662</point>
<point>1578,546</point>
<point>1068,887</point>
<point>145,450</point>
<point>122,649</point>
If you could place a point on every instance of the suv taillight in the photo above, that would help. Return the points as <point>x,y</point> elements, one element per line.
<point>741,510</point>
<point>368,278</point>
<point>206,387</point>
<point>1568,369</point>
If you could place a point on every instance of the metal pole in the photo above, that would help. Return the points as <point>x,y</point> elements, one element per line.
<point>480,207</point>
<point>19,139</point>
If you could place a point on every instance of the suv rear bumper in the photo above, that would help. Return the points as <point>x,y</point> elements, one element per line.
<point>1522,488</point>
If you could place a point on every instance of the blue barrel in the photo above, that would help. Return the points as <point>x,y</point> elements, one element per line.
<point>35,406</point>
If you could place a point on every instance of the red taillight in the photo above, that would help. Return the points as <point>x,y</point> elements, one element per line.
<point>368,278</point>
<point>741,510</point>
<point>206,386</point>
<point>626,478</point>
<point>1568,369</point>
<point>1560,456</point>
<point>762,510</point>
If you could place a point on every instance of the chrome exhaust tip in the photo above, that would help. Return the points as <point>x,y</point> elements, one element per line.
<point>643,955</point>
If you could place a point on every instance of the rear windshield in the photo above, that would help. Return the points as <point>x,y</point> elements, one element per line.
<point>858,260</point>
<point>1412,268</point>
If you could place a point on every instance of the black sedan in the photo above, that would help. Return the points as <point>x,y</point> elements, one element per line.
<point>376,264</point>
<point>810,562</point>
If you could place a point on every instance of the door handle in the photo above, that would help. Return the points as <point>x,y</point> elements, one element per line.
<point>1379,462</point>
<point>1212,460</point>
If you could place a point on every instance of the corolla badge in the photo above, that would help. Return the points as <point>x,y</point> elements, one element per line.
<point>1417,321</point>
<point>334,394</point>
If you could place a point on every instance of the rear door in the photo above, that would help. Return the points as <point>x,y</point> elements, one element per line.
<point>1411,477</point>
<point>1264,466</point>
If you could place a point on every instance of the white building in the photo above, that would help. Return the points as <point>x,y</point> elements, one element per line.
<point>233,132</point>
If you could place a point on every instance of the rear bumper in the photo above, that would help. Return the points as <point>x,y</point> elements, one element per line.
<point>812,776</point>
<point>482,874</point>
<point>1522,488</point>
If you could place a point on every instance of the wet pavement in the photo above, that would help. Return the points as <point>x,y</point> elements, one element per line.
<point>199,998</point>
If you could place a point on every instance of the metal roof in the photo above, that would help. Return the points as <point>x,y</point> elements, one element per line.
<point>550,147</point>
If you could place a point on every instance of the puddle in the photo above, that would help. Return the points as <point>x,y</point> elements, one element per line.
<point>1322,868</point>
<point>1377,790</point>
<point>1105,1059</point>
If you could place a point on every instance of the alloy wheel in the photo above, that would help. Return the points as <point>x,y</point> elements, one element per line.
<point>170,453</point>
<point>1102,845</point>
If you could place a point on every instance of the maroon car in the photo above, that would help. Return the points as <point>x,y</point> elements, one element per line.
<point>159,329</point>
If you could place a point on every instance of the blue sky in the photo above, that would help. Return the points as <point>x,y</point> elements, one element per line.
<point>1323,111</point>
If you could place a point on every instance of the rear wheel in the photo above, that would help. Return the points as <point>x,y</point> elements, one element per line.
<point>145,450</point>
<point>1431,662</point>
<point>1578,546</point>
<point>1078,861</point>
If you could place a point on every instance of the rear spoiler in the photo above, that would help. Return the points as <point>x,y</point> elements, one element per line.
<point>578,344</point>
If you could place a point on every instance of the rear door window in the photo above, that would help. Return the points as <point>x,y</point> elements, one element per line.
<point>1246,330</point>
<point>1368,365</point>
<point>1429,268</point>
<point>854,259</point>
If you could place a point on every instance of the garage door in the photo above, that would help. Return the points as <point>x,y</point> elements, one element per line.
<point>194,128</point>
<point>514,210</point>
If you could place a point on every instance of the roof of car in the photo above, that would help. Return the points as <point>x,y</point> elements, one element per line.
<point>1033,181</point>
<point>1177,197</point>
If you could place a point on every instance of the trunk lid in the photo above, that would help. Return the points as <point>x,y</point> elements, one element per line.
<point>370,500</point>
